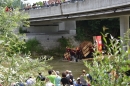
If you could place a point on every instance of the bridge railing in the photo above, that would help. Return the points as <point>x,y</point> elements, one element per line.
<point>74,9</point>
<point>50,5</point>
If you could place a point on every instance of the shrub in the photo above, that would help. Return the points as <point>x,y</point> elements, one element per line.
<point>110,69</point>
<point>21,31</point>
<point>64,42</point>
<point>33,45</point>
<point>80,34</point>
<point>14,66</point>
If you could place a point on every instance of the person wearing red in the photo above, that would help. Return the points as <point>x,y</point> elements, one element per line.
<point>7,9</point>
<point>78,53</point>
<point>68,50</point>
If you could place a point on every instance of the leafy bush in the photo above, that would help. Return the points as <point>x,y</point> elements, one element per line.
<point>110,69</point>
<point>22,31</point>
<point>64,42</point>
<point>14,66</point>
<point>82,35</point>
<point>19,67</point>
<point>33,45</point>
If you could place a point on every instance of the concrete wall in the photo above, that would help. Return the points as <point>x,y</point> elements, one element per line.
<point>43,29</point>
<point>81,6</point>
<point>52,42</point>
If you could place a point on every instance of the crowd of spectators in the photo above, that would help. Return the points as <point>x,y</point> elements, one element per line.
<point>54,78</point>
<point>49,3</point>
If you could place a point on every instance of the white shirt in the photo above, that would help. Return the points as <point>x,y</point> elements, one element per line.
<point>49,84</point>
<point>30,82</point>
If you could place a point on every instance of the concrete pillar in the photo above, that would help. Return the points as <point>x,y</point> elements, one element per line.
<point>61,26</point>
<point>71,27</point>
<point>124,26</point>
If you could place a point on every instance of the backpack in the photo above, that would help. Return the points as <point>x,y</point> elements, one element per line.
<point>89,76</point>
<point>40,77</point>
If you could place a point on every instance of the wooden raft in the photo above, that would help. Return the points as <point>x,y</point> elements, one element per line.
<point>85,47</point>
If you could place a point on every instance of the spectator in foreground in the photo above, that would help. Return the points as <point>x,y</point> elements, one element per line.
<point>83,78</point>
<point>70,78</point>
<point>48,82</point>
<point>51,76</point>
<point>57,79</point>
<point>78,83</point>
<point>30,81</point>
<point>64,80</point>
<point>40,77</point>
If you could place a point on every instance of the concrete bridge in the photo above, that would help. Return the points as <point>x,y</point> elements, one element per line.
<point>64,16</point>
<point>81,10</point>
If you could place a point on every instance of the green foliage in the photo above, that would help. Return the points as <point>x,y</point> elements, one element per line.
<point>9,21</point>
<point>21,31</point>
<point>4,3</point>
<point>80,34</point>
<point>115,60</point>
<point>33,46</point>
<point>16,3</point>
<point>19,68</point>
<point>39,3</point>
<point>64,42</point>
<point>11,43</point>
<point>11,3</point>
<point>89,28</point>
<point>14,65</point>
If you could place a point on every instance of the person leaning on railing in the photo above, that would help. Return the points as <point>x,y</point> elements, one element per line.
<point>27,7</point>
<point>34,5</point>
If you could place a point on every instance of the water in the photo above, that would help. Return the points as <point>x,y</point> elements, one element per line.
<point>75,67</point>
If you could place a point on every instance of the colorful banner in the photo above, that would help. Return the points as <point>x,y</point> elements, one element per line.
<point>98,42</point>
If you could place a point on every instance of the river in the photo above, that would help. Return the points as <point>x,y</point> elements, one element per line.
<point>75,67</point>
